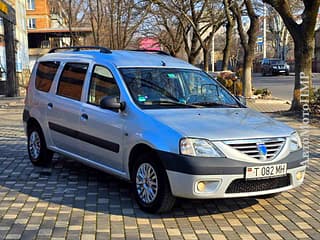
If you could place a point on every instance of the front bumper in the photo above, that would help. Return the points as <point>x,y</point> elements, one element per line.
<point>224,177</point>
<point>280,71</point>
<point>185,185</point>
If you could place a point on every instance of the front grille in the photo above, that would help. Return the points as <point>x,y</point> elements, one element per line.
<point>250,147</point>
<point>242,185</point>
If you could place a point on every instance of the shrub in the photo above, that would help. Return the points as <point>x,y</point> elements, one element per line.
<point>315,101</point>
<point>264,92</point>
<point>258,92</point>
<point>227,79</point>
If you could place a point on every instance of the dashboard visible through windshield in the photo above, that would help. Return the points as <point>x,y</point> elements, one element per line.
<point>167,88</point>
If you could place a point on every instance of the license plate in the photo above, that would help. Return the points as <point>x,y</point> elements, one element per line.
<point>268,171</point>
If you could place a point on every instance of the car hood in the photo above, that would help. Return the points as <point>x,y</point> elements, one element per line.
<point>220,123</point>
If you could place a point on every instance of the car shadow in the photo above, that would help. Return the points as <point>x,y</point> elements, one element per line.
<point>72,184</point>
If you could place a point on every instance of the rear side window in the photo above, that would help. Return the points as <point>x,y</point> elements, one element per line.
<point>45,75</point>
<point>72,79</point>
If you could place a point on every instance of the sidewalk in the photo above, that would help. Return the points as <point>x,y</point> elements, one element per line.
<point>261,105</point>
<point>8,102</point>
<point>269,105</point>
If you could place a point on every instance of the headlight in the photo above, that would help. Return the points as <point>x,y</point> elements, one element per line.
<point>199,148</point>
<point>295,142</point>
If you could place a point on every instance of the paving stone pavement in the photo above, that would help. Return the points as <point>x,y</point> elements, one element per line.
<point>269,106</point>
<point>70,201</point>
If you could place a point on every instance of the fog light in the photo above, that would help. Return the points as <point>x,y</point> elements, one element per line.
<point>201,186</point>
<point>299,175</point>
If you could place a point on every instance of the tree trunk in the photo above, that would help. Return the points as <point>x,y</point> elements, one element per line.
<point>303,52</point>
<point>192,54</point>
<point>226,50</point>
<point>205,60</point>
<point>246,74</point>
<point>12,81</point>
<point>192,59</point>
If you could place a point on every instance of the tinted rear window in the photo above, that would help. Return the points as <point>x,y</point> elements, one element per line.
<point>45,74</point>
<point>71,80</point>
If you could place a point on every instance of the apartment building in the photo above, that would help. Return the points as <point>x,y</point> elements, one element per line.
<point>47,28</point>
<point>14,59</point>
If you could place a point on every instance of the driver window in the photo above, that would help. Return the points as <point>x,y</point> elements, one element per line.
<point>102,84</point>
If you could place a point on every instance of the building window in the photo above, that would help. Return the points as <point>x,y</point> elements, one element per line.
<point>31,23</point>
<point>31,5</point>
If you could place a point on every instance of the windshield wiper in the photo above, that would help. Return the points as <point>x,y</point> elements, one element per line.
<point>216,104</point>
<point>175,103</point>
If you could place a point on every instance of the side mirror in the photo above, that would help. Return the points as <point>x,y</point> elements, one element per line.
<point>242,100</point>
<point>112,103</point>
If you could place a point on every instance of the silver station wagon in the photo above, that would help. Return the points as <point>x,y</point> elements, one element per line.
<point>159,122</point>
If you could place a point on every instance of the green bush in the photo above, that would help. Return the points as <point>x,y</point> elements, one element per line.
<point>315,101</point>
<point>258,92</point>
<point>263,92</point>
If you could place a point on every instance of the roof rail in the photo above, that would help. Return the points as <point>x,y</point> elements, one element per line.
<point>78,48</point>
<point>151,51</point>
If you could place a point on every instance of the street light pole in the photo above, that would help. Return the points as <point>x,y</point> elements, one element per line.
<point>212,54</point>
<point>264,31</point>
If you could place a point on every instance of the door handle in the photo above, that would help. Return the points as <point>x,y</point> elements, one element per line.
<point>50,105</point>
<point>84,117</point>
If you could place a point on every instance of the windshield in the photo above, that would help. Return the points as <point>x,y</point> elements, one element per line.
<point>163,87</point>
<point>274,62</point>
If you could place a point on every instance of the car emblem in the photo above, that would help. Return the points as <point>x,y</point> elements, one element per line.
<point>262,151</point>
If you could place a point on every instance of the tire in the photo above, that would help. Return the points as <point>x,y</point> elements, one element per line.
<point>37,147</point>
<point>161,200</point>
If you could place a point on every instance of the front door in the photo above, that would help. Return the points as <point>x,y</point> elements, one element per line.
<point>102,129</point>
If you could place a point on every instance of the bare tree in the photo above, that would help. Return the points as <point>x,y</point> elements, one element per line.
<point>229,32</point>
<point>279,34</point>
<point>302,31</point>
<point>123,20</point>
<point>96,19</point>
<point>166,28</point>
<point>73,12</point>
<point>204,17</point>
<point>248,41</point>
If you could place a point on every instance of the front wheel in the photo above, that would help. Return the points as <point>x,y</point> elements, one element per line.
<point>37,148</point>
<point>151,186</point>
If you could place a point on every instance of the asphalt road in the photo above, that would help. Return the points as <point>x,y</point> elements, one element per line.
<point>280,86</point>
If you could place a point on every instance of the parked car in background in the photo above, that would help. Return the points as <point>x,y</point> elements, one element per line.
<point>274,66</point>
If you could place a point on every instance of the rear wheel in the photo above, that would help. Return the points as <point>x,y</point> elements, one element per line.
<point>151,186</point>
<point>37,147</point>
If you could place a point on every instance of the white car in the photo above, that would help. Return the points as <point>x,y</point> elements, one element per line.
<point>159,122</point>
